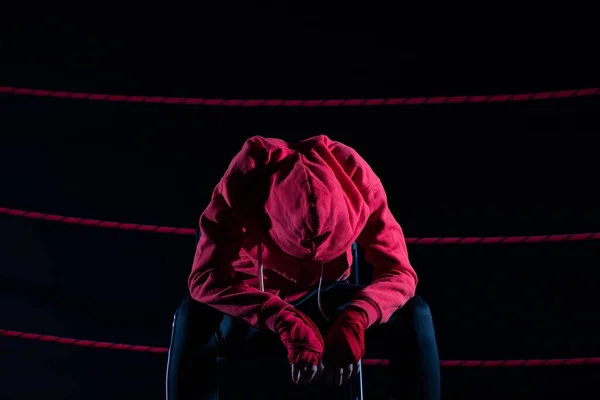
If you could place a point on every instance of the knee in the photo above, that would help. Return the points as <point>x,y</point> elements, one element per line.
<point>185,306</point>
<point>186,309</point>
<point>418,309</point>
<point>415,317</point>
<point>192,311</point>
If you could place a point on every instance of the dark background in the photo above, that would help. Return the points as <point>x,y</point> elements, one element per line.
<point>522,168</point>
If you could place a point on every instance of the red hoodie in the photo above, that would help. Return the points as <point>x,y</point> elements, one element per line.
<point>297,208</point>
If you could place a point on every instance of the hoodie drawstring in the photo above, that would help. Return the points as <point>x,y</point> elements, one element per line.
<point>261,281</point>
<point>261,272</point>
<point>319,295</point>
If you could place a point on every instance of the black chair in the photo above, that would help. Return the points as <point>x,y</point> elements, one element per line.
<point>355,387</point>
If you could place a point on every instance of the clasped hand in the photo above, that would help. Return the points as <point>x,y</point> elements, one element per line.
<point>343,349</point>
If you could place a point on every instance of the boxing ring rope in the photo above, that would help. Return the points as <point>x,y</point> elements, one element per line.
<point>444,363</point>
<point>97,223</point>
<point>192,231</point>
<point>497,98</point>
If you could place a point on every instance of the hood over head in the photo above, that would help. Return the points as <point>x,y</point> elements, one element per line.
<point>315,210</point>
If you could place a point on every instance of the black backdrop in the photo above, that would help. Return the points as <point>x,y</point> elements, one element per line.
<point>450,170</point>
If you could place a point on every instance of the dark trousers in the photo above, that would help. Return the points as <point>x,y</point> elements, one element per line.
<point>256,360</point>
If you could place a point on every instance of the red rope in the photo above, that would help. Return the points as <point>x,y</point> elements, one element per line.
<point>97,223</point>
<point>556,362</point>
<point>190,231</point>
<point>505,239</point>
<point>82,343</point>
<point>499,98</point>
<point>446,364</point>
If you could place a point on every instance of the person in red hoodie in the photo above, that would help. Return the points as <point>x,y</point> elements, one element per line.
<point>270,275</point>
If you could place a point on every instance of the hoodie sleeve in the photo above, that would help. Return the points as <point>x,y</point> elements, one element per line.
<point>394,279</point>
<point>212,280</point>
